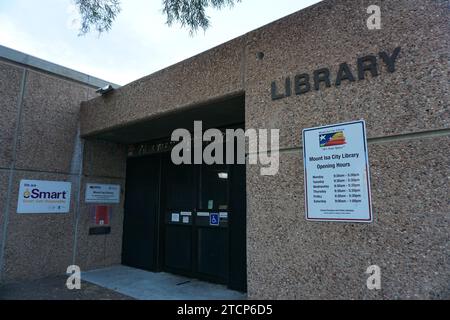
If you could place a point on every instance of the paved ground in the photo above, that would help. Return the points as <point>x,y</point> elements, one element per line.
<point>119,283</point>
<point>144,285</point>
<point>54,288</point>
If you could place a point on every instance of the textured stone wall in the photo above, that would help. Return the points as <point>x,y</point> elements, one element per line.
<point>40,140</point>
<point>407,117</point>
<point>211,75</point>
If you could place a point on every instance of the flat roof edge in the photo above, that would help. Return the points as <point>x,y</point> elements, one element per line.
<point>40,64</point>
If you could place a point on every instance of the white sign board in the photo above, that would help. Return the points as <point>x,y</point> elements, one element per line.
<point>37,196</point>
<point>337,185</point>
<point>175,217</point>
<point>102,193</point>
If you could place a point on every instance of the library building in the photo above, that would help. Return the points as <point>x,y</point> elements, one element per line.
<point>301,160</point>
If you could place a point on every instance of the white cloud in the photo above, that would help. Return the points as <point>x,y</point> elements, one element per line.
<point>10,36</point>
<point>74,18</point>
<point>139,42</point>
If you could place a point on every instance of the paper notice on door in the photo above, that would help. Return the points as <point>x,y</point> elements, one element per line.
<point>202,214</point>
<point>175,217</point>
<point>186,213</point>
<point>186,219</point>
<point>224,215</point>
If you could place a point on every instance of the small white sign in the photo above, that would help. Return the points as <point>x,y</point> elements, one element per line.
<point>36,196</point>
<point>224,215</point>
<point>102,193</point>
<point>337,183</point>
<point>175,217</point>
<point>185,219</point>
<point>202,214</point>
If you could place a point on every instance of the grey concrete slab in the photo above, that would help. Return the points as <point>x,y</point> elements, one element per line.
<point>144,285</point>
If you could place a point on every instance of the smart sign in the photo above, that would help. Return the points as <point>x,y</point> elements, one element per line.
<point>337,184</point>
<point>37,196</point>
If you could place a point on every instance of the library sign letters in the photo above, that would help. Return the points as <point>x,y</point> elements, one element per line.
<point>304,83</point>
<point>337,185</point>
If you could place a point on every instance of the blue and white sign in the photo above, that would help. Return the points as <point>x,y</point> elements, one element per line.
<point>337,183</point>
<point>214,219</point>
<point>36,196</point>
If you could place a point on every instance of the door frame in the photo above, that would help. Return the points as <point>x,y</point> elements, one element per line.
<point>160,235</point>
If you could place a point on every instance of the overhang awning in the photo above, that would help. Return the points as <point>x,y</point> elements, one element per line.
<point>213,115</point>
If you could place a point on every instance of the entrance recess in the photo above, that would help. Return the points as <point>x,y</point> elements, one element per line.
<point>188,220</point>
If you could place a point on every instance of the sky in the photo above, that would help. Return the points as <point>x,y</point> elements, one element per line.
<point>139,43</point>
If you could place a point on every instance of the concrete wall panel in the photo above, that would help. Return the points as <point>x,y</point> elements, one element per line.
<point>104,159</point>
<point>37,245</point>
<point>48,133</point>
<point>41,245</point>
<point>4,180</point>
<point>291,258</point>
<point>10,88</point>
<point>213,74</point>
<point>416,97</point>
<point>95,251</point>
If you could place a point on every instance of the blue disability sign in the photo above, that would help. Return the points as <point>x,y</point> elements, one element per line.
<point>214,219</point>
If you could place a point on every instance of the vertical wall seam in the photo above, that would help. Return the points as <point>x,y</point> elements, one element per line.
<point>12,169</point>
<point>77,209</point>
<point>244,64</point>
<point>105,244</point>
<point>245,51</point>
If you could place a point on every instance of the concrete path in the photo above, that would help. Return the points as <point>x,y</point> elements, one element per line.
<point>54,288</point>
<point>144,285</point>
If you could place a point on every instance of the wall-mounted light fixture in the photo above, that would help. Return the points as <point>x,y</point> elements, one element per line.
<point>104,90</point>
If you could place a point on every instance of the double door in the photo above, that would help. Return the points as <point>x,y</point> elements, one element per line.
<point>196,221</point>
<point>188,220</point>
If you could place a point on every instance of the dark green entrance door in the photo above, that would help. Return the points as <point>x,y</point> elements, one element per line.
<point>168,219</point>
<point>197,214</point>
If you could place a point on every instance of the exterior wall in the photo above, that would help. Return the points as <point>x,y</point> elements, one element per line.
<point>103,163</point>
<point>407,117</point>
<point>217,73</point>
<point>290,257</point>
<point>39,135</point>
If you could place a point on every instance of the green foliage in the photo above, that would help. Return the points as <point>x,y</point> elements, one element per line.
<point>191,13</point>
<point>100,14</point>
